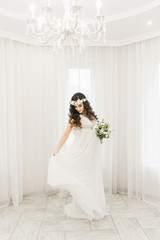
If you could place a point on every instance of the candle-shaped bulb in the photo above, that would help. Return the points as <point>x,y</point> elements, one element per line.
<point>32,9</point>
<point>99,4</point>
<point>40,21</point>
<point>48,3</point>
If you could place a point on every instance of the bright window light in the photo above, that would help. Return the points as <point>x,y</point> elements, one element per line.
<point>78,80</point>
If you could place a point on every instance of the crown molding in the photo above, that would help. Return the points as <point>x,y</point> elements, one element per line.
<point>139,38</point>
<point>12,14</point>
<point>133,12</point>
<point>18,38</point>
<point>123,15</point>
<point>31,41</point>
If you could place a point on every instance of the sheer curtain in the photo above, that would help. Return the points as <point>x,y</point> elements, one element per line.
<point>34,105</point>
<point>32,92</point>
<point>139,118</point>
<point>151,120</point>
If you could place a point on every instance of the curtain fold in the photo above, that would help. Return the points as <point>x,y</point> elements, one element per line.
<point>130,115</point>
<point>11,169</point>
<point>34,106</point>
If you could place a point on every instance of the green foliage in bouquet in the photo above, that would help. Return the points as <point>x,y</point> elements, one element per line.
<point>103,130</point>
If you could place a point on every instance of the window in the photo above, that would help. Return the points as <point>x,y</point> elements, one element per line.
<point>78,80</point>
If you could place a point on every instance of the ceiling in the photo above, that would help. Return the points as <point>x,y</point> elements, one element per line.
<point>126,19</point>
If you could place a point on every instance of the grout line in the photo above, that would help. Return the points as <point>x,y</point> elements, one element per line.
<point>90,225</point>
<point>141,228</point>
<point>153,211</point>
<point>2,211</point>
<point>46,203</point>
<point>39,231</point>
<point>15,226</point>
<point>116,228</point>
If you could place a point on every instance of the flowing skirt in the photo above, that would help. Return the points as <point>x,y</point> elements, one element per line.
<point>78,170</point>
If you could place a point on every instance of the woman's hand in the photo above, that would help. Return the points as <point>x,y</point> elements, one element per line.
<point>55,152</point>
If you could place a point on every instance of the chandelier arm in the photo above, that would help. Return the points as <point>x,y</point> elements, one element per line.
<point>65,36</point>
<point>48,37</point>
<point>56,22</point>
<point>51,36</point>
<point>75,24</point>
<point>93,40</point>
<point>88,30</point>
<point>48,23</point>
<point>57,36</point>
<point>36,33</point>
<point>45,41</point>
<point>99,27</point>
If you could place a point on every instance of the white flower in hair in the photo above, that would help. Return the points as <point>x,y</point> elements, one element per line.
<point>78,101</point>
<point>72,102</point>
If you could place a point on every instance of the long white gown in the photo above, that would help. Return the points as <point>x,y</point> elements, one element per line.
<point>78,170</point>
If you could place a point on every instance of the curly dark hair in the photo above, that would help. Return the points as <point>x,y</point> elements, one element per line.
<point>74,115</point>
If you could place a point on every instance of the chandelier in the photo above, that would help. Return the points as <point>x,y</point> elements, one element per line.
<point>70,30</point>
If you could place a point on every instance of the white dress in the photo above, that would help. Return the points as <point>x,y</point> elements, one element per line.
<point>78,169</point>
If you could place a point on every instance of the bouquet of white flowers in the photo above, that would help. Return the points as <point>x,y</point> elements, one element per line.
<point>102,130</point>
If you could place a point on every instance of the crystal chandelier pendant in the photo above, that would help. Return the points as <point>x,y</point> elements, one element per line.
<point>70,31</point>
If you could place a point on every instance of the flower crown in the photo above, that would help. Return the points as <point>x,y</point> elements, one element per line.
<point>78,101</point>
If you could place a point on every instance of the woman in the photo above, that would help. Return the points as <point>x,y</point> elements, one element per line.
<point>78,169</point>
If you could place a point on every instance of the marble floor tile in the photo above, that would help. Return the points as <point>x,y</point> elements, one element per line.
<point>42,218</point>
<point>22,206</point>
<point>106,223</point>
<point>153,234</point>
<point>116,204</point>
<point>30,204</point>
<point>51,236</point>
<point>1,209</point>
<point>133,202</point>
<point>132,212</point>
<point>154,208</point>
<point>113,198</point>
<point>93,235</point>
<point>75,219</point>
<point>26,230</point>
<point>42,215</point>
<point>129,228</point>
<point>68,199</point>
<point>115,201</point>
<point>55,204</point>
<point>8,222</point>
<point>150,222</point>
<point>38,202</point>
<point>65,225</point>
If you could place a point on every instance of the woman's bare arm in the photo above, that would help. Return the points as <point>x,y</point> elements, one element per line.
<point>63,137</point>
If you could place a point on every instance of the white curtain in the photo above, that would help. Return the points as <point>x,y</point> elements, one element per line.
<point>151,120</point>
<point>34,107</point>
<point>139,120</point>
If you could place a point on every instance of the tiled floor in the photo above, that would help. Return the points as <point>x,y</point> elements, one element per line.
<point>42,218</point>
